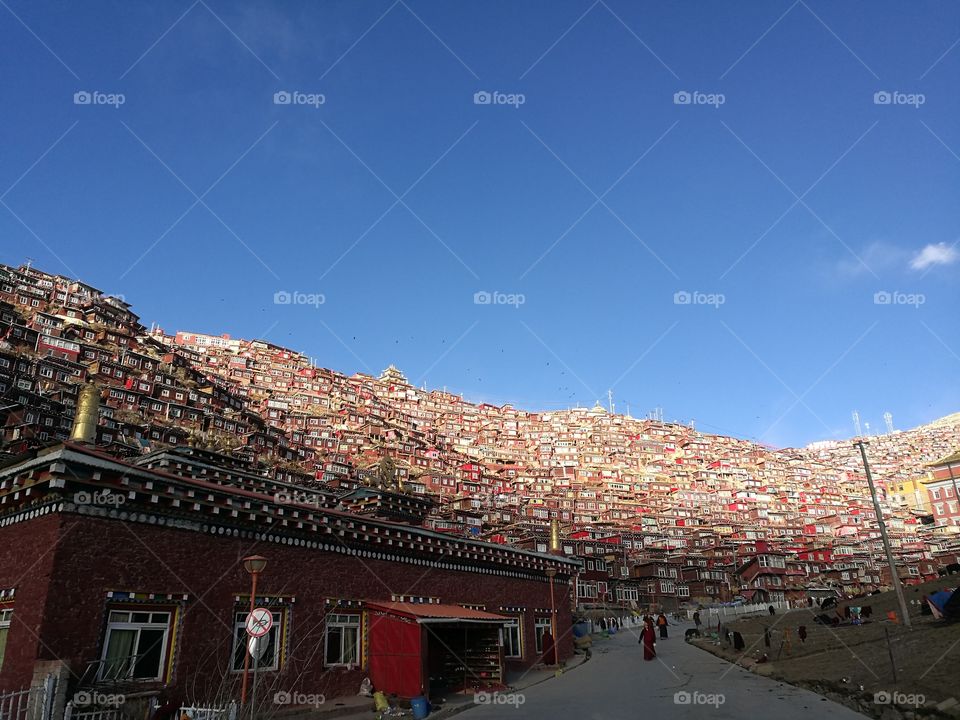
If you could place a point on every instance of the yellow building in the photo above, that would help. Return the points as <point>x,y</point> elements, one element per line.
<point>911,494</point>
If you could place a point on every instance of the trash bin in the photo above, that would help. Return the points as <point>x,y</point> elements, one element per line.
<point>420,706</point>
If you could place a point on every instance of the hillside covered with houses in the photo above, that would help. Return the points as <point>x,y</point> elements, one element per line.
<point>659,513</point>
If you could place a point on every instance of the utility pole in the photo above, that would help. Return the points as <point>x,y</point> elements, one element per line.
<point>904,611</point>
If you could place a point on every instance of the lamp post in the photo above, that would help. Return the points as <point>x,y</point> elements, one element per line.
<point>551,574</point>
<point>254,564</point>
<point>894,577</point>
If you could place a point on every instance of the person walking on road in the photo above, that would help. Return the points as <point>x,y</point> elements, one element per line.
<point>648,638</point>
<point>662,623</point>
<point>696,619</point>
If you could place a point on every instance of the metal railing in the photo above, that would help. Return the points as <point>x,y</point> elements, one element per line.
<point>110,670</point>
<point>15,705</point>
<point>91,713</point>
<point>35,702</point>
<point>210,712</point>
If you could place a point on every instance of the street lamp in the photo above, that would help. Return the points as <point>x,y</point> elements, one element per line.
<point>894,577</point>
<point>551,574</point>
<point>254,564</point>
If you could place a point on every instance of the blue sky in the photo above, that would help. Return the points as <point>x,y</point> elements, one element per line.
<point>720,258</point>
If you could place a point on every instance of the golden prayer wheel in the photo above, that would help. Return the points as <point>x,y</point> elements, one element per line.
<point>88,413</point>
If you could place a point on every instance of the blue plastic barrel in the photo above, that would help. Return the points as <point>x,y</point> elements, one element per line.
<point>420,706</point>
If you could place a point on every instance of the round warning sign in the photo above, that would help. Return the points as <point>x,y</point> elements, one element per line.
<point>259,622</point>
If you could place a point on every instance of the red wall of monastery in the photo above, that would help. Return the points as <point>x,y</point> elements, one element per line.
<point>99,555</point>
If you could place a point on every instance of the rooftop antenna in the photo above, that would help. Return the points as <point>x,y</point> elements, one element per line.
<point>856,423</point>
<point>866,426</point>
<point>888,419</point>
<point>610,401</point>
<point>30,262</point>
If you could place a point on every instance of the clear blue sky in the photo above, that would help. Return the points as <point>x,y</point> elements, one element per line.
<point>794,201</point>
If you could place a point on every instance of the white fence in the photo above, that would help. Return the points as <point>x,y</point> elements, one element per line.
<point>213,712</point>
<point>91,713</point>
<point>32,703</point>
<point>709,617</point>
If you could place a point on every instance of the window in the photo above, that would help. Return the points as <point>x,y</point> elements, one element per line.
<point>135,646</point>
<point>270,659</point>
<point>5,615</point>
<point>512,648</point>
<point>586,590</point>
<point>540,626</point>
<point>342,640</point>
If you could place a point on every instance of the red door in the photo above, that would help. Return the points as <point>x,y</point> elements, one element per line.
<point>396,658</point>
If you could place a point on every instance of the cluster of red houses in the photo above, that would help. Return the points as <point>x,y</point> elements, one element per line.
<point>652,513</point>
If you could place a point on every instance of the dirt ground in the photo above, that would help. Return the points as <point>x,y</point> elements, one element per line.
<point>855,660</point>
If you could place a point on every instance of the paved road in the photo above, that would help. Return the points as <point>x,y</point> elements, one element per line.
<point>617,685</point>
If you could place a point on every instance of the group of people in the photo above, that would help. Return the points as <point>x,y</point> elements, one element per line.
<point>648,635</point>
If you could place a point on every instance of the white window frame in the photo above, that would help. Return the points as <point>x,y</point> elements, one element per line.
<point>511,631</point>
<point>116,623</point>
<point>6,614</point>
<point>540,626</point>
<point>341,620</point>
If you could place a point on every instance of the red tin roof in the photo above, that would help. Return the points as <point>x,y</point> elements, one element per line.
<point>435,612</point>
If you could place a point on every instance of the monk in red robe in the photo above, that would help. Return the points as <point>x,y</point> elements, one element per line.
<point>648,638</point>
